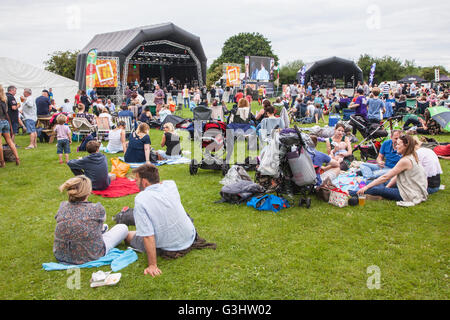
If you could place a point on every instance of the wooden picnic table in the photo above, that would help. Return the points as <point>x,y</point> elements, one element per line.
<point>44,123</point>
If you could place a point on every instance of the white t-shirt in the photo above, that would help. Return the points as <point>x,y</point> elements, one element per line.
<point>429,161</point>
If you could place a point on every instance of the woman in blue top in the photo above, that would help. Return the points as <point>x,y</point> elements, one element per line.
<point>139,145</point>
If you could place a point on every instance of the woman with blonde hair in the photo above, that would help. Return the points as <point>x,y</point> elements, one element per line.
<point>6,129</point>
<point>139,145</point>
<point>243,113</point>
<point>171,140</point>
<point>407,180</point>
<point>80,235</point>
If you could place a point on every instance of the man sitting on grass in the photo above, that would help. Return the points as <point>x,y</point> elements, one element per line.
<point>386,160</point>
<point>162,225</point>
<point>94,166</point>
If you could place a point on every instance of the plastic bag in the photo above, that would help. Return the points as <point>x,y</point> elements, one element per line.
<point>268,203</point>
<point>119,168</point>
<point>270,158</point>
<point>235,174</point>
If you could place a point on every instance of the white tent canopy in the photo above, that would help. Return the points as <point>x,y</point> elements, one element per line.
<point>22,75</point>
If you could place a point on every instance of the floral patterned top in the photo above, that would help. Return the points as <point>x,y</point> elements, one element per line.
<point>78,233</point>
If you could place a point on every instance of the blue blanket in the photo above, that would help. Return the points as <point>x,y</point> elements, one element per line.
<point>118,260</point>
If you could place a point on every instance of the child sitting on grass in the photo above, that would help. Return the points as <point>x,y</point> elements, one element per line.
<point>64,136</point>
<point>339,152</point>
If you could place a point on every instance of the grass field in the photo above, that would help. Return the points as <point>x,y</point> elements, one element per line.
<point>317,253</point>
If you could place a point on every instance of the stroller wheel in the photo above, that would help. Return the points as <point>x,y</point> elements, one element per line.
<point>302,202</point>
<point>193,168</point>
<point>225,168</point>
<point>308,203</point>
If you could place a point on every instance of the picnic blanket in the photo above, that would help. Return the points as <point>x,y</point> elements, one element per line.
<point>349,181</point>
<point>120,187</point>
<point>118,260</point>
<point>181,160</point>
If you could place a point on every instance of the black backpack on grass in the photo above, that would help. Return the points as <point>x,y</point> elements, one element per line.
<point>240,192</point>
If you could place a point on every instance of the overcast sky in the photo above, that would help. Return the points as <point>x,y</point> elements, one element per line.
<point>305,29</point>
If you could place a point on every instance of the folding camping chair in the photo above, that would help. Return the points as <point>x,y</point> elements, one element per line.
<point>129,128</point>
<point>82,126</point>
<point>202,113</point>
<point>103,127</point>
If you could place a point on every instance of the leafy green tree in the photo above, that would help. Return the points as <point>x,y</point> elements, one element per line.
<point>237,47</point>
<point>63,63</point>
<point>365,62</point>
<point>428,72</point>
<point>288,72</point>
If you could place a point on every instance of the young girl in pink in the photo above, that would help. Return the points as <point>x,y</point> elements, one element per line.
<point>64,136</point>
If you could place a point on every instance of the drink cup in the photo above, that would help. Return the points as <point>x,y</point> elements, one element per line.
<point>362,200</point>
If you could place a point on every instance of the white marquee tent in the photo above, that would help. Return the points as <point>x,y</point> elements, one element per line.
<point>22,75</point>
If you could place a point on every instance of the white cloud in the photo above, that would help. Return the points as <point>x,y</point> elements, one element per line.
<point>307,30</point>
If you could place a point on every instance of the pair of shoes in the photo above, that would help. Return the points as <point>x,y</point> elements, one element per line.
<point>28,148</point>
<point>61,162</point>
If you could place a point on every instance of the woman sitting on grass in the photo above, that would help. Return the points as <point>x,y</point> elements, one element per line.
<point>139,145</point>
<point>80,235</point>
<point>171,140</point>
<point>408,176</point>
<point>117,139</point>
<point>333,142</point>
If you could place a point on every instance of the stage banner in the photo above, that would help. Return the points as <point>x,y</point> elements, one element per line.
<point>106,73</point>
<point>272,69</point>
<point>437,76</point>
<point>91,60</point>
<point>372,73</point>
<point>302,75</point>
<point>233,76</point>
<point>247,67</point>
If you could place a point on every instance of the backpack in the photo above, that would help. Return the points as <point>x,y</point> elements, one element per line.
<point>125,216</point>
<point>86,139</point>
<point>268,203</point>
<point>8,155</point>
<point>240,192</point>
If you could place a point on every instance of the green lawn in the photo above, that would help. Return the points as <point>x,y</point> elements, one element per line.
<point>320,253</point>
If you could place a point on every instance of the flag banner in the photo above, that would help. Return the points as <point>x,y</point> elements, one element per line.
<point>302,76</point>
<point>372,73</point>
<point>91,61</point>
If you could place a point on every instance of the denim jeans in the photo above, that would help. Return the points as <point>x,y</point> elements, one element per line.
<point>432,190</point>
<point>387,193</point>
<point>381,190</point>
<point>372,170</point>
<point>186,102</point>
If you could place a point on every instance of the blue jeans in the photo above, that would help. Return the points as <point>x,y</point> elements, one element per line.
<point>381,190</point>
<point>186,102</point>
<point>175,99</point>
<point>63,146</point>
<point>372,170</point>
<point>432,190</point>
<point>293,100</point>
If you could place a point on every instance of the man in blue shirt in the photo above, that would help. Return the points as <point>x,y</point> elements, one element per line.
<point>161,221</point>
<point>386,160</point>
<point>43,104</point>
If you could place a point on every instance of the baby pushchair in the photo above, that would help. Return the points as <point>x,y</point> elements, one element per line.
<point>295,173</point>
<point>373,134</point>
<point>212,141</point>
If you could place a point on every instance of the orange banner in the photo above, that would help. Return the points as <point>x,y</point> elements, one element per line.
<point>106,73</point>
<point>233,76</point>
